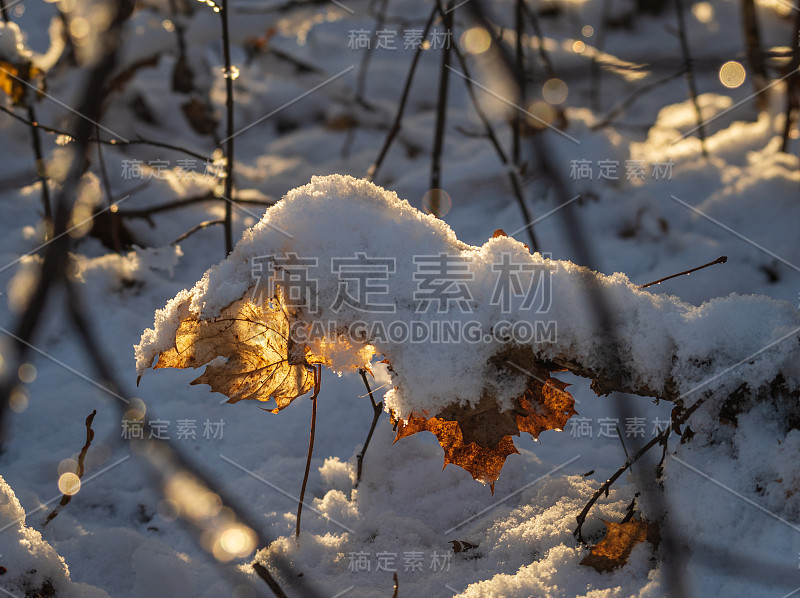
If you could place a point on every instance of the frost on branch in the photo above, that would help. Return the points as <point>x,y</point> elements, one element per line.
<point>493,384</point>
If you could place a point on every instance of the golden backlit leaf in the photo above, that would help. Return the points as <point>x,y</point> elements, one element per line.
<point>479,437</point>
<point>484,424</point>
<point>547,404</point>
<point>613,551</point>
<point>260,361</point>
<point>483,463</point>
<point>13,78</point>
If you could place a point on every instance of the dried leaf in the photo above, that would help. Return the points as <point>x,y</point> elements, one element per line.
<point>462,546</point>
<point>13,79</point>
<point>547,404</point>
<point>501,233</point>
<point>483,463</point>
<point>613,551</point>
<point>479,437</point>
<point>253,338</point>
<point>484,423</point>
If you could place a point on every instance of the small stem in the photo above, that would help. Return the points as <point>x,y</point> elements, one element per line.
<point>264,574</point>
<point>117,142</point>
<point>401,107</point>
<point>690,81</point>
<point>441,117</point>
<point>317,381</point>
<point>196,228</point>
<point>720,260</point>
<point>377,408</point>
<point>80,470</point>
<point>660,438</point>
<point>519,63</point>
<point>792,111</point>
<point>229,134</point>
<point>113,217</point>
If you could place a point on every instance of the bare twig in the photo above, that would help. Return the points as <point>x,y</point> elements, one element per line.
<point>401,106</point>
<point>792,86</point>
<point>229,132</point>
<point>180,203</point>
<point>679,418</point>
<point>599,44</point>
<point>264,574</point>
<point>513,174</point>
<point>755,57</point>
<point>377,408</point>
<point>79,472</point>
<point>633,97</point>
<point>113,217</point>
<point>117,142</point>
<point>720,260</point>
<point>41,171</point>
<point>317,382</point>
<point>361,81</point>
<point>519,63</point>
<point>690,81</point>
<point>441,115</point>
<point>196,228</point>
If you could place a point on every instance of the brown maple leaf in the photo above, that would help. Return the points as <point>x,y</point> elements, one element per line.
<point>478,438</point>
<point>260,361</point>
<point>546,404</point>
<point>614,549</point>
<point>484,463</point>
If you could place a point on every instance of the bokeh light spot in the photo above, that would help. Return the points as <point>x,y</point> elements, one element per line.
<point>732,74</point>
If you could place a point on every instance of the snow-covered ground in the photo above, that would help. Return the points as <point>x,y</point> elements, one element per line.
<point>734,509</point>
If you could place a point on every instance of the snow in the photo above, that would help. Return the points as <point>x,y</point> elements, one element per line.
<point>731,490</point>
<point>31,564</point>
<point>336,216</point>
<point>12,47</point>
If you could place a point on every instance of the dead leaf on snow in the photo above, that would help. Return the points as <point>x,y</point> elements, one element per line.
<point>613,551</point>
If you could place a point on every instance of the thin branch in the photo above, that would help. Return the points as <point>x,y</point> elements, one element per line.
<point>599,45</point>
<point>690,81</point>
<point>513,174</point>
<point>377,408</point>
<point>720,260</point>
<point>519,63</point>
<point>180,203</point>
<point>372,173</point>
<point>441,115</point>
<point>623,105</point>
<point>113,217</point>
<point>792,86</point>
<point>317,383</point>
<point>41,170</point>
<point>661,438</point>
<point>361,81</point>
<point>264,574</point>
<point>755,57</point>
<point>197,227</point>
<point>139,141</point>
<point>229,132</point>
<point>79,472</point>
